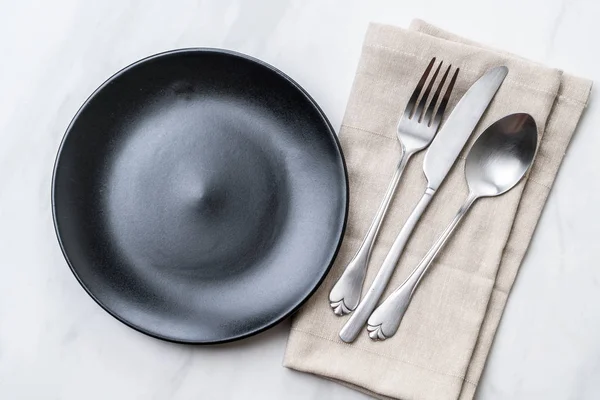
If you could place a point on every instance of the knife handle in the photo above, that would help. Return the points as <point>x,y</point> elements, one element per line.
<point>359,318</point>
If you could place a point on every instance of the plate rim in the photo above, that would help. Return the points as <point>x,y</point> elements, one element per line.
<point>263,64</point>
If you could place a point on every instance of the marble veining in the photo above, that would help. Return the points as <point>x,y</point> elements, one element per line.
<point>56,343</point>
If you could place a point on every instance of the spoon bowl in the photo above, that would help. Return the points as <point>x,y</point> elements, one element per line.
<point>501,155</point>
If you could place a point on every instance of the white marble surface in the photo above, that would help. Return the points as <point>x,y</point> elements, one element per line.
<point>56,343</point>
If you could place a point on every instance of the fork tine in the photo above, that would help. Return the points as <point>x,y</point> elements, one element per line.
<point>437,119</point>
<point>427,119</point>
<point>423,102</point>
<point>415,95</point>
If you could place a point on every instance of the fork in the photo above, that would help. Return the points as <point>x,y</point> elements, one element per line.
<point>416,129</point>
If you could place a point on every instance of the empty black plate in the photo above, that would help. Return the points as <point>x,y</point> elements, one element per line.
<point>200,196</point>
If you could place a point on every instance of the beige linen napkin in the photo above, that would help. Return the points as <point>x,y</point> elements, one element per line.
<point>442,344</point>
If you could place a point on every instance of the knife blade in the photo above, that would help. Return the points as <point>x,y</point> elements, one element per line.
<point>459,126</point>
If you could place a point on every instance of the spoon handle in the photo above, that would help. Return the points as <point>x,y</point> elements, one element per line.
<point>385,320</point>
<point>345,294</point>
<point>359,318</point>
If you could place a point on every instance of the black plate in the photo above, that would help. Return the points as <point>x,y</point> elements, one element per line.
<point>200,196</point>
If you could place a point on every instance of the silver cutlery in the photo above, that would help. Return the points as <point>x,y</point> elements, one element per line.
<point>496,163</point>
<point>416,129</point>
<point>440,157</point>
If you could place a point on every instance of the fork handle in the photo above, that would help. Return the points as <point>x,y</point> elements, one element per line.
<point>358,319</point>
<point>345,294</point>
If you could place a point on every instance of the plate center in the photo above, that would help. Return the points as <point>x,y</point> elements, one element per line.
<point>195,193</point>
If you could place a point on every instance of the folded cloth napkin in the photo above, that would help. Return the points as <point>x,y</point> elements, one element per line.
<point>440,349</point>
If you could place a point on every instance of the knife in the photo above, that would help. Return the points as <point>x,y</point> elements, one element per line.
<point>440,157</point>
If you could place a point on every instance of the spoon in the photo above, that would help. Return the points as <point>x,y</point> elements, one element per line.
<point>498,160</point>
